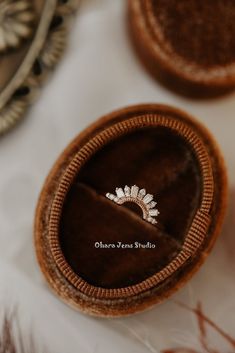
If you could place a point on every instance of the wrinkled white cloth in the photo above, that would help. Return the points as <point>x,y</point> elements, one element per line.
<point>99,73</point>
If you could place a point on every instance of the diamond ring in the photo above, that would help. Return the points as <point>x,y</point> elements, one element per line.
<point>138,196</point>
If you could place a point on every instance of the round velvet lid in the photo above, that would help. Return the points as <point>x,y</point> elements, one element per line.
<point>188,45</point>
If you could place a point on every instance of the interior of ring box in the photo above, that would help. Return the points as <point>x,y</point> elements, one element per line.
<point>156,159</point>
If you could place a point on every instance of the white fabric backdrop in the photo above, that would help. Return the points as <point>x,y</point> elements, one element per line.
<point>100,73</point>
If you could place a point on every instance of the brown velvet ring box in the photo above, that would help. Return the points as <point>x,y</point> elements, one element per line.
<point>188,45</point>
<point>156,147</point>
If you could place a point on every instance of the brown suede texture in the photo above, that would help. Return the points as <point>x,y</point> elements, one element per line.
<point>189,30</point>
<point>156,159</point>
<point>201,36</point>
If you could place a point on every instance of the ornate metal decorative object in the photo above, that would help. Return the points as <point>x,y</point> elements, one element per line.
<point>138,196</point>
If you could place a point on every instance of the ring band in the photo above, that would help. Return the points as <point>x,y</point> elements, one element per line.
<point>138,196</point>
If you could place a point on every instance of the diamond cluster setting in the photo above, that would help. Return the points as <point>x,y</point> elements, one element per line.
<point>138,196</point>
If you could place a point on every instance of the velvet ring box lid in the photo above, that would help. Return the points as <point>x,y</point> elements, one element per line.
<point>188,45</point>
<point>158,148</point>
